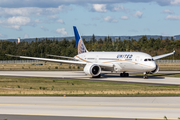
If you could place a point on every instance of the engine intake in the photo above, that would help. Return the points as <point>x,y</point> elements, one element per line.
<point>92,70</point>
<point>155,70</point>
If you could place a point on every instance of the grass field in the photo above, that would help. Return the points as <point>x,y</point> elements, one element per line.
<point>38,66</point>
<point>159,74</point>
<point>57,66</point>
<point>169,66</point>
<point>59,87</point>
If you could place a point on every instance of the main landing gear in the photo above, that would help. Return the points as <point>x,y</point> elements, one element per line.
<point>145,75</point>
<point>124,74</point>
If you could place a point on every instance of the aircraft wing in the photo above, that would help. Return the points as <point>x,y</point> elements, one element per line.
<point>49,60</point>
<point>72,58</point>
<point>164,55</point>
<point>62,61</point>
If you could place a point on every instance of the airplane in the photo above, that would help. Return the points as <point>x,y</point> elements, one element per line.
<point>96,62</point>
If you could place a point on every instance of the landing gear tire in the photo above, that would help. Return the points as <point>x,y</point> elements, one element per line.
<point>145,76</point>
<point>124,74</point>
<point>121,74</point>
<point>97,76</point>
<point>127,74</point>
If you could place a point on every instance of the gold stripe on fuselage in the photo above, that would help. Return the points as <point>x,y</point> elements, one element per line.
<point>82,59</point>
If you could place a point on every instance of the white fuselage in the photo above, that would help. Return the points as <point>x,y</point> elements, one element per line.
<point>122,61</point>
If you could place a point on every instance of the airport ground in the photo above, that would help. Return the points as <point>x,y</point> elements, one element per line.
<point>129,96</point>
<point>76,83</point>
<point>49,66</point>
<point>90,108</point>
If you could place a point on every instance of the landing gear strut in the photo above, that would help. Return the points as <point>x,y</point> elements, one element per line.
<point>124,74</point>
<point>145,75</point>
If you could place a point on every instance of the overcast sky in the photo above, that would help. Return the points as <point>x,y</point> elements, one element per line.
<point>56,18</point>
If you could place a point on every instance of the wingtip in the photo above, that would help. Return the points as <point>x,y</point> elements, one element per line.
<point>11,55</point>
<point>8,54</point>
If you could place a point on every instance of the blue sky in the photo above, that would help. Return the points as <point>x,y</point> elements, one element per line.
<point>56,18</point>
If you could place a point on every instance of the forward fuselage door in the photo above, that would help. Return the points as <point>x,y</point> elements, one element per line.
<point>138,61</point>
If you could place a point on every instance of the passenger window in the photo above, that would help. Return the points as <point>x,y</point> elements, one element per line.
<point>145,59</point>
<point>149,59</point>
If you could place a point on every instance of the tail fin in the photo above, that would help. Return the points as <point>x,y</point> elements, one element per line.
<point>81,48</point>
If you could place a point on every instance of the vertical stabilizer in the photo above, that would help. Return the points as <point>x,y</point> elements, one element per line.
<point>81,48</point>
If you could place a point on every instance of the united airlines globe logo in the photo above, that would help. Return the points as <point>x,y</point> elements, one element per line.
<point>127,56</point>
<point>81,48</point>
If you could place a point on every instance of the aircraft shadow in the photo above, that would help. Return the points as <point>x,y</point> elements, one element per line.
<point>131,76</point>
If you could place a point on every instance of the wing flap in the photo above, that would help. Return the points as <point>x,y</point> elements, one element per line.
<point>72,58</point>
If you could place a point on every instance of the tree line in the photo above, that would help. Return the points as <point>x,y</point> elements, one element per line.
<point>39,48</point>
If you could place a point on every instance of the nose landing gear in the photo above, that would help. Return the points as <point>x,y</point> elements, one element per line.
<point>145,75</point>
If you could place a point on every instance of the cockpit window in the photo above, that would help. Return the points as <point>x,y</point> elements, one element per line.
<point>148,60</point>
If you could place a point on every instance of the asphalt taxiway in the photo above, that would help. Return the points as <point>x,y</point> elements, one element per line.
<point>80,75</point>
<point>91,107</point>
<point>40,117</point>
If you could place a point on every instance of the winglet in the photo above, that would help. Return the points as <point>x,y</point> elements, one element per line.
<point>81,48</point>
<point>11,55</point>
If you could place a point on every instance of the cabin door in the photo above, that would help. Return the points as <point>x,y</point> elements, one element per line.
<point>137,59</point>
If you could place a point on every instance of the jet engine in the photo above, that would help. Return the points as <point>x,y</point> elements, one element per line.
<point>155,70</point>
<point>92,70</point>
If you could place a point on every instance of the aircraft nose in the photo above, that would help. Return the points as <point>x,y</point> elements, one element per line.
<point>153,64</point>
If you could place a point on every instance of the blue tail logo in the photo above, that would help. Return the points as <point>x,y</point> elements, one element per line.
<point>81,48</point>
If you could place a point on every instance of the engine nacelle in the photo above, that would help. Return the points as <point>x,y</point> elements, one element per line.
<point>92,70</point>
<point>155,70</point>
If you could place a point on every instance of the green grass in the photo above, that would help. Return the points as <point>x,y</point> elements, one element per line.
<point>38,66</point>
<point>58,67</point>
<point>58,87</point>
<point>167,74</point>
<point>160,74</point>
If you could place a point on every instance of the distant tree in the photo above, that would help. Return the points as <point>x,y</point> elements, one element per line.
<point>93,39</point>
<point>172,38</point>
<point>68,48</point>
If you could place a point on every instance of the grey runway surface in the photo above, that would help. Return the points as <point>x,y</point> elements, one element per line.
<point>37,117</point>
<point>80,75</point>
<point>91,107</point>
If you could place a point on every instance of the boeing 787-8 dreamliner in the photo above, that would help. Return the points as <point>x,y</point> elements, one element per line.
<point>95,62</point>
